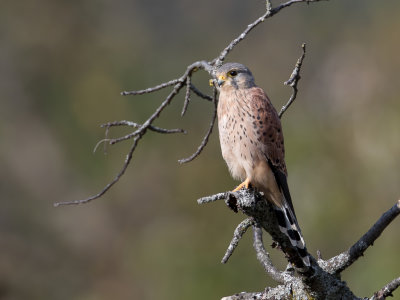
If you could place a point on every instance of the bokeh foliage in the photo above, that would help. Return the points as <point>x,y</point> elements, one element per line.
<point>62,66</point>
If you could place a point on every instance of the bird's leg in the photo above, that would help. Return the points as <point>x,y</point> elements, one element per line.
<point>245,184</point>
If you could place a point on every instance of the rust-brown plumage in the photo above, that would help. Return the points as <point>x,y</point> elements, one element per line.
<point>252,143</point>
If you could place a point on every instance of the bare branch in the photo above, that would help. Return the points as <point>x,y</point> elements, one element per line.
<point>136,125</point>
<point>110,184</point>
<point>269,13</point>
<point>245,296</point>
<point>213,198</point>
<point>268,5</point>
<point>312,283</point>
<point>264,258</point>
<point>138,134</point>
<point>207,136</point>
<point>342,261</point>
<point>237,235</point>
<point>254,205</point>
<point>387,290</point>
<point>152,89</point>
<point>293,80</point>
<point>187,96</point>
<point>200,94</point>
<point>131,124</point>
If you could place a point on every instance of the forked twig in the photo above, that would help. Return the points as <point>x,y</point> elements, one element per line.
<point>237,235</point>
<point>207,136</point>
<point>187,96</point>
<point>200,93</point>
<point>151,89</point>
<point>293,80</point>
<point>213,198</point>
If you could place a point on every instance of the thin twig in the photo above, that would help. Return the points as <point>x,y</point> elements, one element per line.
<point>269,13</point>
<point>340,262</point>
<point>268,5</point>
<point>110,184</point>
<point>264,258</point>
<point>206,137</point>
<point>105,145</point>
<point>128,136</point>
<point>213,198</point>
<point>137,125</point>
<point>237,235</point>
<point>187,96</point>
<point>387,290</point>
<point>293,80</point>
<point>200,94</point>
<point>154,116</point>
<point>151,89</point>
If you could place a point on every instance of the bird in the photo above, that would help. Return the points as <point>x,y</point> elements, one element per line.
<point>252,145</point>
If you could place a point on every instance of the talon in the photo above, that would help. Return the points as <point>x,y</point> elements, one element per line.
<point>244,184</point>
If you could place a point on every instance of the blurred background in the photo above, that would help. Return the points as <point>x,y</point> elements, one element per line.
<point>62,67</point>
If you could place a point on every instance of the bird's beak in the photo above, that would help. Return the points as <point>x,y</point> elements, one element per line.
<point>221,80</point>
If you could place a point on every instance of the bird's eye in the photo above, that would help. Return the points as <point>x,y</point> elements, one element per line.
<point>233,73</point>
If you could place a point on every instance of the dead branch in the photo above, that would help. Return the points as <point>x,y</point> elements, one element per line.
<point>110,184</point>
<point>237,235</point>
<point>322,280</point>
<point>293,80</point>
<point>207,136</point>
<point>140,132</point>
<point>313,282</point>
<point>264,259</point>
<point>387,290</point>
<point>342,261</point>
<point>270,11</point>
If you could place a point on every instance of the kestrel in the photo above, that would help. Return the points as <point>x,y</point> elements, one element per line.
<point>251,140</point>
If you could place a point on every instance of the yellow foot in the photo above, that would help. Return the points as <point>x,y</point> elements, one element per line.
<point>245,184</point>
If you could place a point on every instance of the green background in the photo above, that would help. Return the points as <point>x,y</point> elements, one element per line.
<point>62,67</point>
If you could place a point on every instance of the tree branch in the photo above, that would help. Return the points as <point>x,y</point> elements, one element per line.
<point>269,13</point>
<point>237,235</point>
<point>342,261</point>
<point>293,80</point>
<point>152,89</point>
<point>207,136</point>
<point>387,290</point>
<point>187,95</point>
<point>264,258</point>
<point>313,282</point>
<point>110,184</point>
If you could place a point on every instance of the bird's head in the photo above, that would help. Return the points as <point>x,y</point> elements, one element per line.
<point>233,75</point>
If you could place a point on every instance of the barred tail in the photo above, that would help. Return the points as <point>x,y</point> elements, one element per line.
<point>288,225</point>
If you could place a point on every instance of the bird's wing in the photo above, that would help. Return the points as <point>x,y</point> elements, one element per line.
<point>270,137</point>
<point>268,131</point>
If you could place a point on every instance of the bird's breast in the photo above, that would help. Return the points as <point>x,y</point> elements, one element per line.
<point>238,143</point>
